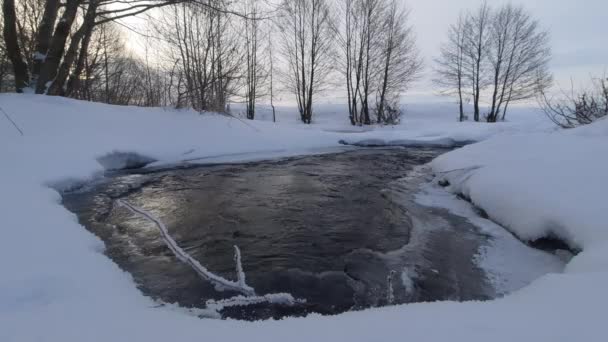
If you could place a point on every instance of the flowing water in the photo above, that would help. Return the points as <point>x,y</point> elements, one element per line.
<point>340,231</point>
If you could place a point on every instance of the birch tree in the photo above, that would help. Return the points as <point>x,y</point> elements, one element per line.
<point>475,50</point>
<point>206,51</point>
<point>5,70</point>
<point>400,61</point>
<point>306,29</point>
<point>503,53</point>
<point>254,56</point>
<point>519,56</point>
<point>452,66</point>
<point>359,40</point>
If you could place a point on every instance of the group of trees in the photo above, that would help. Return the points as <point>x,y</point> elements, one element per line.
<point>499,52</point>
<point>368,46</point>
<point>74,48</point>
<point>306,28</point>
<point>210,52</point>
<point>203,55</point>
<point>379,56</point>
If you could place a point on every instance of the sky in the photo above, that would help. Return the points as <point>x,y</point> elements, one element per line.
<point>578,37</point>
<point>578,30</point>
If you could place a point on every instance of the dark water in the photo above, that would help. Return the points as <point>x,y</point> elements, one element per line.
<point>332,229</point>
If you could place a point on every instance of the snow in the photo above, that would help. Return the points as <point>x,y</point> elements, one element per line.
<point>56,284</point>
<point>538,185</point>
<point>39,56</point>
<point>509,264</point>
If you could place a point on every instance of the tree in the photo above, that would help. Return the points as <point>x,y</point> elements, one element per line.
<point>271,75</point>
<point>504,50</point>
<point>43,51</point>
<point>452,66</point>
<point>13,49</point>
<point>379,57</point>
<point>475,50</point>
<point>306,28</point>
<point>255,73</point>
<point>203,47</point>
<point>462,62</point>
<point>519,56</point>
<point>400,61</point>
<point>360,44</point>
<point>577,108</point>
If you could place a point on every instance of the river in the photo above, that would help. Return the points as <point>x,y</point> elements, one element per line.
<point>341,231</point>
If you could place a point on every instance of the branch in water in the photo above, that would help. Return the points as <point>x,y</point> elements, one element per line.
<point>219,282</point>
<point>240,275</point>
<point>272,298</point>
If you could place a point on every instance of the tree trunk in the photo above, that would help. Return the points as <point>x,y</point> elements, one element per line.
<point>84,32</point>
<point>13,50</point>
<point>477,92</point>
<point>74,80</point>
<point>461,117</point>
<point>43,39</point>
<point>51,65</point>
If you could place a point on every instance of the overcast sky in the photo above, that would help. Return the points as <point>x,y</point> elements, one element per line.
<point>579,32</point>
<point>579,35</point>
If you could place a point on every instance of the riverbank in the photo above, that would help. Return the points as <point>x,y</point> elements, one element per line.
<point>57,285</point>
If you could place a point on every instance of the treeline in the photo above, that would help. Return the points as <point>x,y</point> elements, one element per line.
<point>204,54</point>
<point>502,53</point>
<point>75,49</point>
<point>208,53</point>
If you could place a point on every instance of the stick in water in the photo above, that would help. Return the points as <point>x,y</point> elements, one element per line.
<point>219,282</point>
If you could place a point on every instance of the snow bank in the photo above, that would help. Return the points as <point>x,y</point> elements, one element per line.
<point>541,185</point>
<point>56,284</point>
<point>432,125</point>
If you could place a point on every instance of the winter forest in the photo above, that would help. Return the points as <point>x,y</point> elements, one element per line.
<point>206,54</point>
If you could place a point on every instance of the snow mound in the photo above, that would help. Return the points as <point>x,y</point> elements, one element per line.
<point>539,185</point>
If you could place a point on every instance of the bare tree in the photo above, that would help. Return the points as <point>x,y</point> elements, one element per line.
<point>401,63</point>
<point>476,40</point>
<point>13,50</point>
<point>504,50</point>
<point>205,49</point>
<point>5,74</point>
<point>255,73</point>
<point>271,76</point>
<point>44,46</point>
<point>5,70</point>
<point>462,63</point>
<point>573,109</point>
<point>452,67</point>
<point>306,28</point>
<point>112,74</point>
<point>519,56</point>
<point>360,42</point>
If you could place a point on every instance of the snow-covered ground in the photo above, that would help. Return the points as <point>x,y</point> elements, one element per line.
<point>56,284</point>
